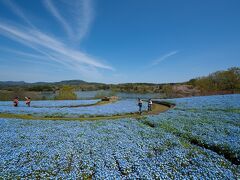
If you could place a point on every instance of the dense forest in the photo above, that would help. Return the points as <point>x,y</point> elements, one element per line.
<point>220,82</point>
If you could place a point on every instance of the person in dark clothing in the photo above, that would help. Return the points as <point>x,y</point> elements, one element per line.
<point>15,102</point>
<point>28,101</point>
<point>150,105</point>
<point>140,105</point>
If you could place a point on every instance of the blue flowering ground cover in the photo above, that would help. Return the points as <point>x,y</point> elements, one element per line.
<point>51,103</point>
<point>198,139</point>
<point>119,107</point>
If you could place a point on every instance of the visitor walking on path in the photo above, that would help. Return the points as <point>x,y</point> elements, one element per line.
<point>15,102</point>
<point>150,105</point>
<point>140,105</point>
<point>28,101</point>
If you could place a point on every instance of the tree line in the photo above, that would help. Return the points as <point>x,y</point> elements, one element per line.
<point>220,82</point>
<point>228,80</point>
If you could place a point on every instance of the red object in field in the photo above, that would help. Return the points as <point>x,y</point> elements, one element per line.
<point>28,101</point>
<point>15,102</point>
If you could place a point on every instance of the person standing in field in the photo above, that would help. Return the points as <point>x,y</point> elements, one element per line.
<point>150,105</point>
<point>140,105</point>
<point>15,102</point>
<point>28,101</point>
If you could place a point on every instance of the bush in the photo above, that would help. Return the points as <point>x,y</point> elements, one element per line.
<point>168,90</point>
<point>41,88</point>
<point>66,93</point>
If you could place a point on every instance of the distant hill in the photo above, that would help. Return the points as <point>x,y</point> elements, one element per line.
<point>220,82</point>
<point>22,83</point>
<point>12,83</point>
<point>51,86</point>
<point>71,82</point>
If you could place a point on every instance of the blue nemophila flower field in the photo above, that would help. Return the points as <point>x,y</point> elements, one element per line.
<point>51,103</point>
<point>219,102</point>
<point>49,108</point>
<point>191,141</point>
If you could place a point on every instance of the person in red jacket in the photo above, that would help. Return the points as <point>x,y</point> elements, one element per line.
<point>15,102</point>
<point>28,101</point>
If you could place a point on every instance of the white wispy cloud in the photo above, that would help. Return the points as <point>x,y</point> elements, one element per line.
<point>27,57</point>
<point>22,53</point>
<point>78,12</point>
<point>54,11</point>
<point>17,10</point>
<point>54,47</point>
<point>164,57</point>
<point>49,46</point>
<point>85,17</point>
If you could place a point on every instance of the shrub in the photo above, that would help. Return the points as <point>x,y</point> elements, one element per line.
<point>66,93</point>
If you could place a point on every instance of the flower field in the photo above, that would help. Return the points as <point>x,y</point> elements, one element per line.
<point>54,108</point>
<point>51,103</point>
<point>198,139</point>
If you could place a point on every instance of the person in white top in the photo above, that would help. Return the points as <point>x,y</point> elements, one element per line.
<point>150,105</point>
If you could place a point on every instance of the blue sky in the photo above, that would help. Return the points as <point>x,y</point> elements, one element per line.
<point>117,41</point>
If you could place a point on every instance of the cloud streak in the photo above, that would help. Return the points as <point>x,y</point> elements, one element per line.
<point>49,46</point>
<point>85,19</point>
<point>164,57</point>
<point>21,53</point>
<point>54,11</point>
<point>37,39</point>
<point>17,10</point>
<point>80,16</point>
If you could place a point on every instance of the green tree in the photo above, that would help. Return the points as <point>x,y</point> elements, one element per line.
<point>228,80</point>
<point>66,93</point>
<point>168,90</point>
